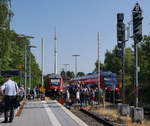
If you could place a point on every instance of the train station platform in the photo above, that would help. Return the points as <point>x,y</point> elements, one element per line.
<point>45,113</point>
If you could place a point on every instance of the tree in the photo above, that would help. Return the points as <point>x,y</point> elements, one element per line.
<point>102,67</point>
<point>70,74</point>
<point>67,75</point>
<point>63,74</point>
<point>144,74</point>
<point>5,14</point>
<point>112,62</point>
<point>12,53</point>
<point>144,60</point>
<point>12,46</point>
<point>80,74</point>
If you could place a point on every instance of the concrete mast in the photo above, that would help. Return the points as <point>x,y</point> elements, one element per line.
<point>55,53</point>
<point>42,63</point>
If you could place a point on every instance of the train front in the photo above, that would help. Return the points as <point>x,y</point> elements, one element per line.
<point>111,87</point>
<point>55,85</point>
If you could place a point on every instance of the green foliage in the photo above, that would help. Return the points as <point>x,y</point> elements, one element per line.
<point>102,67</point>
<point>80,74</point>
<point>144,74</point>
<point>5,14</point>
<point>144,59</point>
<point>12,47</point>
<point>63,74</point>
<point>70,74</point>
<point>113,63</point>
<point>12,54</point>
<point>67,75</point>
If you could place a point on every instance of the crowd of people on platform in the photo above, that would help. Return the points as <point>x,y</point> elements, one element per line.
<point>36,92</point>
<point>81,95</point>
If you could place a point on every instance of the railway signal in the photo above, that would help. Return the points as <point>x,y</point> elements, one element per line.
<point>120,27</point>
<point>120,34</point>
<point>119,52</point>
<point>137,23</point>
<point>120,47</point>
<point>137,36</point>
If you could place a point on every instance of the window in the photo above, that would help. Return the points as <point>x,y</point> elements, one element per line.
<point>55,81</point>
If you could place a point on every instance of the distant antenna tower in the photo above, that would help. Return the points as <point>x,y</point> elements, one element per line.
<point>55,52</point>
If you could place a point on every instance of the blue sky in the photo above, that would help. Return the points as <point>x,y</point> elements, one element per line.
<point>77,23</point>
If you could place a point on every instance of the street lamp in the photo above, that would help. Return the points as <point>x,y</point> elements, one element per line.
<point>29,47</point>
<point>42,63</point>
<point>76,55</point>
<point>25,62</point>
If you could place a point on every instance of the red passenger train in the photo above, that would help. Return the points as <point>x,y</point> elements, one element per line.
<point>108,82</point>
<point>55,85</point>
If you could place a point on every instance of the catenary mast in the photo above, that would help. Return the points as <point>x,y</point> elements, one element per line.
<point>55,53</point>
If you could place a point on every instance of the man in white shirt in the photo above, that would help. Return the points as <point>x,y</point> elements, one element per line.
<point>9,89</point>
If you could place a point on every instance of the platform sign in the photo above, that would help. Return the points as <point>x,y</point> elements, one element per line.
<point>10,72</point>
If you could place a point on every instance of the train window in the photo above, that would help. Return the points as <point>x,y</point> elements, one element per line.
<point>110,82</point>
<point>107,79</point>
<point>55,81</point>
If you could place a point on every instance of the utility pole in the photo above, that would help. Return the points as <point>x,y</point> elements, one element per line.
<point>98,57</point>
<point>55,53</point>
<point>25,71</point>
<point>42,63</point>
<point>76,55</point>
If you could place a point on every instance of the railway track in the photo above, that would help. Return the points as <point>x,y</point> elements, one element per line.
<point>89,120</point>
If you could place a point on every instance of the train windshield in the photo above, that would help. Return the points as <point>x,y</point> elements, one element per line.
<point>55,81</point>
<point>110,81</point>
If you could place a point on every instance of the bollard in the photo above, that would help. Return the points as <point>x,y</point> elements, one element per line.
<point>138,114</point>
<point>125,110</point>
<point>119,107</point>
<point>131,111</point>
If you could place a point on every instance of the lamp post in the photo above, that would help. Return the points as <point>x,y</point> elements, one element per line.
<point>25,63</point>
<point>76,55</point>
<point>25,71</point>
<point>30,46</point>
<point>42,63</point>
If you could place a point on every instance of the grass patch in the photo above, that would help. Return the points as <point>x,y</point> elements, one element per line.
<point>113,114</point>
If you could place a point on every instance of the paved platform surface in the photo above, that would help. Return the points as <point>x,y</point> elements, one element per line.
<point>42,113</point>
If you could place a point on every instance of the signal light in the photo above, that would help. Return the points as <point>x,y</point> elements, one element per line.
<point>120,27</point>
<point>120,45</point>
<point>137,23</point>
<point>120,17</point>
<point>119,53</point>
